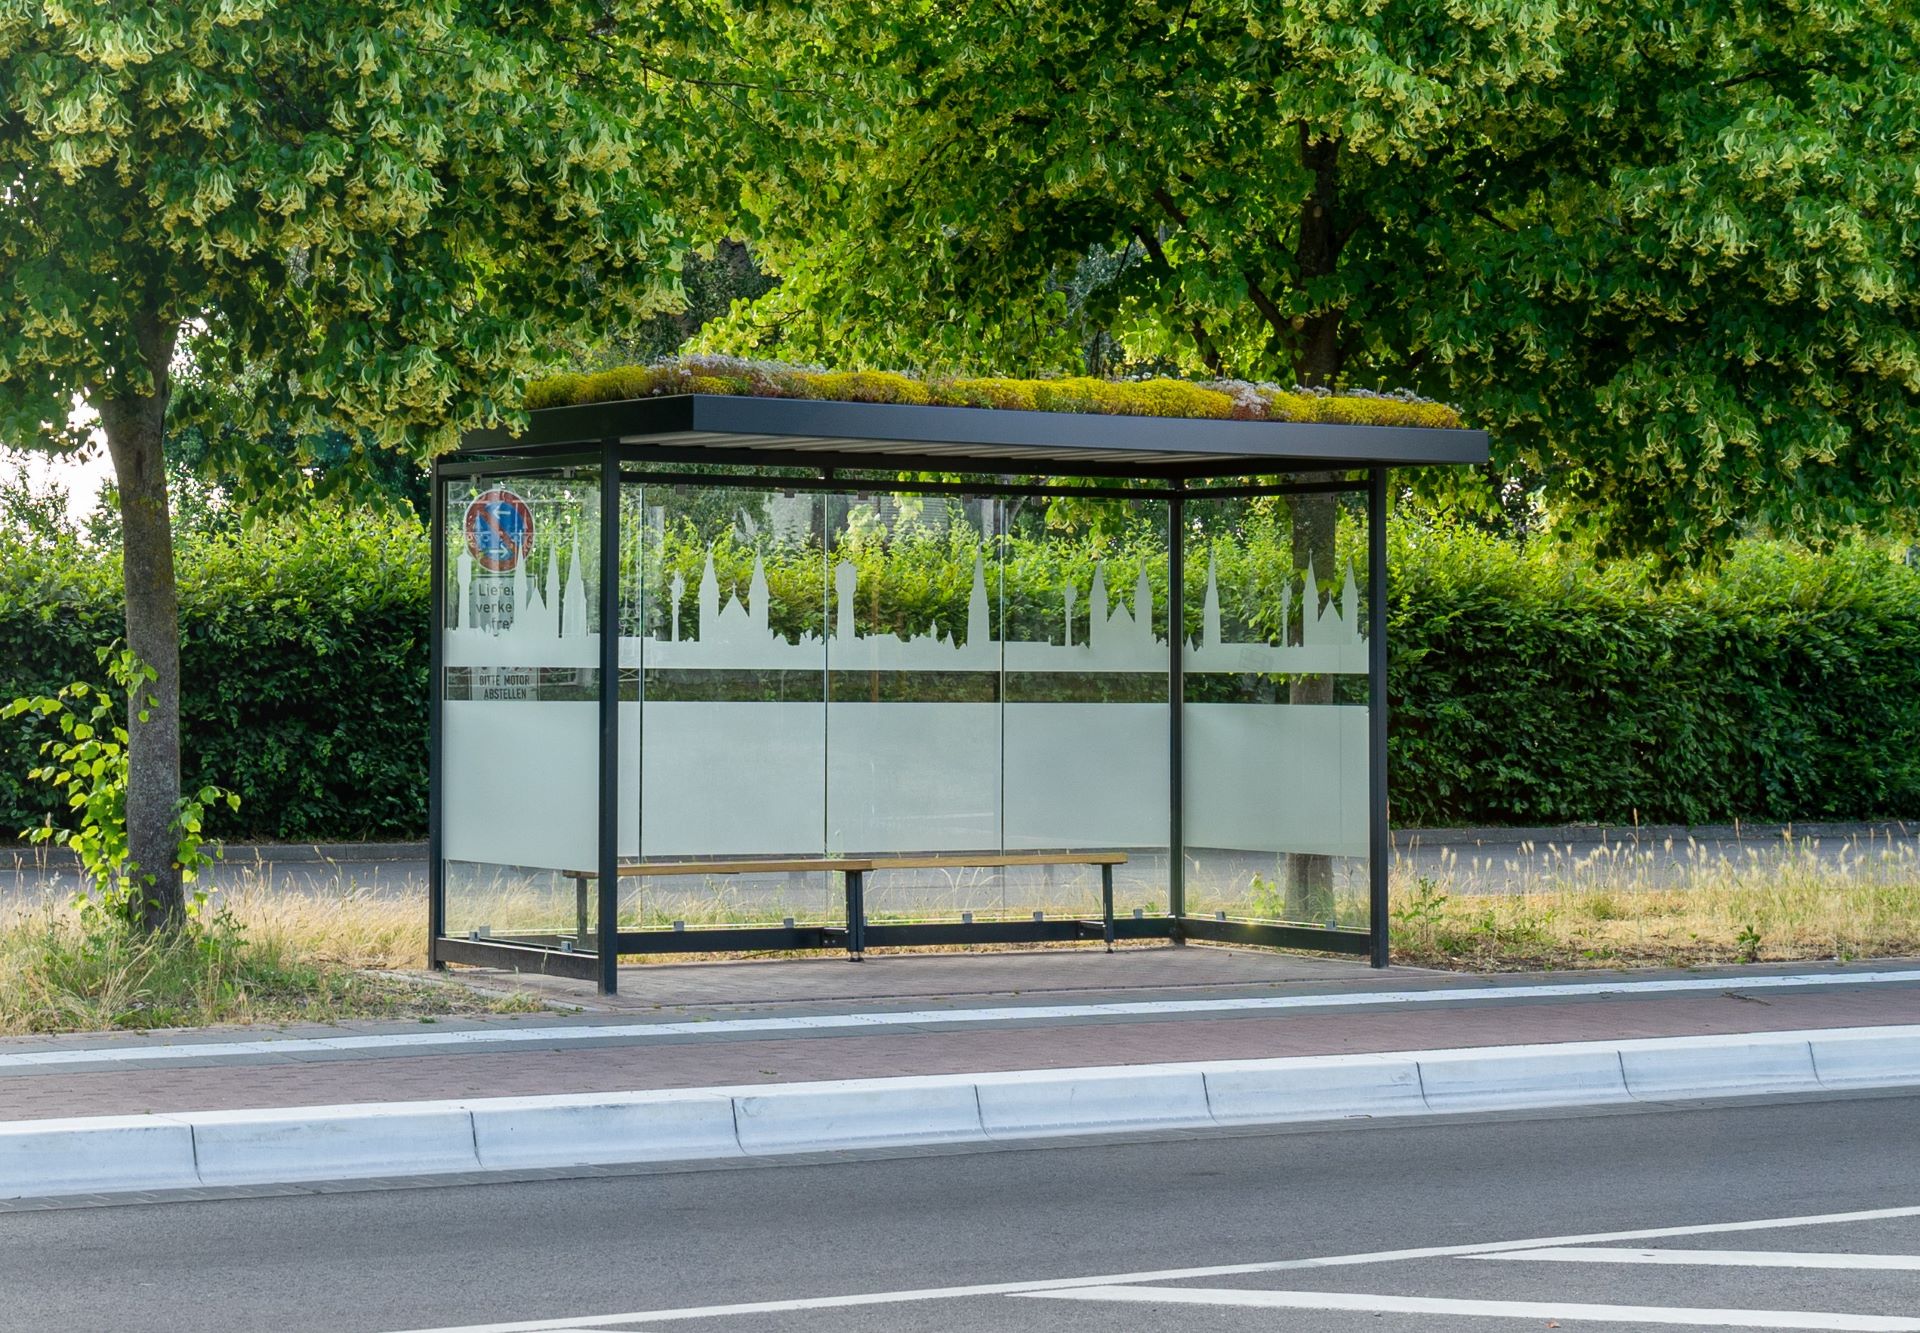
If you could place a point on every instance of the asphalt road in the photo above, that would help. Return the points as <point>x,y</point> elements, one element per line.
<point>1418,1217</point>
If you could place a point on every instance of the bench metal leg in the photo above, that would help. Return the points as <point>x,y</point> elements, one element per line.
<point>856,915</point>
<point>1106,902</point>
<point>583,936</point>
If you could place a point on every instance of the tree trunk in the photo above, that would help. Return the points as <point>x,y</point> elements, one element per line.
<point>1309,875</point>
<point>135,427</point>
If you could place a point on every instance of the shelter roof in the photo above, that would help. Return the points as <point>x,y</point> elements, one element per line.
<point>715,428</point>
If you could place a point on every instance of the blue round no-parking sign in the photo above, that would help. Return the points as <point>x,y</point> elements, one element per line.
<point>499,530</point>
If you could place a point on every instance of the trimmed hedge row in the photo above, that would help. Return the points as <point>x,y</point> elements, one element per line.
<point>1532,690</point>
<point>1527,688</point>
<point>304,665</point>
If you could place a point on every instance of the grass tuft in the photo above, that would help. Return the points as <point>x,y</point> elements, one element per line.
<point>263,958</point>
<point>1785,902</point>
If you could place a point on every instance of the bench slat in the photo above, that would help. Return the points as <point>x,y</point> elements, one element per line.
<point>650,869</point>
<point>945,861</point>
<point>964,862</point>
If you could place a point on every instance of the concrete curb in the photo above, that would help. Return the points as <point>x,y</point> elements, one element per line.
<point>103,1155</point>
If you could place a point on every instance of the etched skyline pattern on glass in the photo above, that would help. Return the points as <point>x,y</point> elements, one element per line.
<point>549,628</point>
<point>1331,639</point>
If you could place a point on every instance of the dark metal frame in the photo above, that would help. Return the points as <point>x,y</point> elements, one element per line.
<point>1162,459</point>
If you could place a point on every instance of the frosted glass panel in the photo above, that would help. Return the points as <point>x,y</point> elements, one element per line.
<point>520,643</point>
<point>732,727</point>
<point>1087,727</point>
<point>913,719</point>
<point>1274,724</point>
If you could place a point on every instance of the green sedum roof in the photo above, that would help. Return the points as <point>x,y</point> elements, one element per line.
<point>1236,400</point>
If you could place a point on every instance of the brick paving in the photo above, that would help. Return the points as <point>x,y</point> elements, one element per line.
<point>976,976</point>
<point>841,1053</point>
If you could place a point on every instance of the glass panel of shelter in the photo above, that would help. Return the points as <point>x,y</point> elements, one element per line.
<point>520,685</point>
<point>891,673</point>
<point>1274,722</point>
<point>806,673</point>
<point>1087,702</point>
<point>914,753</point>
<point>723,708</point>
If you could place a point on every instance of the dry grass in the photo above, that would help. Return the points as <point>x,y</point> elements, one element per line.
<point>277,957</point>
<point>1626,908</point>
<point>266,958</point>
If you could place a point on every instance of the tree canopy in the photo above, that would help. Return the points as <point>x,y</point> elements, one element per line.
<point>373,217</point>
<point>1668,253</point>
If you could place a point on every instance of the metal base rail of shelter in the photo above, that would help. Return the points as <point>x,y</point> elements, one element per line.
<point>683,639</point>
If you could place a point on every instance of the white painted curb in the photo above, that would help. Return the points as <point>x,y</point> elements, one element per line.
<point>1725,1066</point>
<point>1865,1058</point>
<point>1066,1101</point>
<point>118,1154</point>
<point>1267,1092</point>
<point>598,1128</point>
<point>331,1142</point>
<point>1513,1077</point>
<point>101,1153</point>
<point>856,1113</point>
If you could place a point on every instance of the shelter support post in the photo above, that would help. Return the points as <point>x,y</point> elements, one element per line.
<point>1379,840</point>
<point>436,599</point>
<point>856,914</point>
<point>609,858</point>
<point>1106,902</point>
<point>1177,696</point>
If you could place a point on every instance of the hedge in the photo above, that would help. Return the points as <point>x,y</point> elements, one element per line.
<point>304,668</point>
<point>1528,687</point>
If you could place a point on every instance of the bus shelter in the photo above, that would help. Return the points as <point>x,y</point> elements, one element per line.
<point>723,674</point>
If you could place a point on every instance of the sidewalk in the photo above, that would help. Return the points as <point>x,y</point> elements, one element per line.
<point>1178,1006</point>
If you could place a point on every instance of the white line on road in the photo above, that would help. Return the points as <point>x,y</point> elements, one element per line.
<point>1361,1303</point>
<point>1909,1263</point>
<point>539,1035</point>
<point>576,1322</point>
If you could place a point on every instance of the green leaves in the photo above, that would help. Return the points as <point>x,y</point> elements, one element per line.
<point>87,766</point>
<point>304,671</point>
<point>1669,254</point>
<point>388,212</point>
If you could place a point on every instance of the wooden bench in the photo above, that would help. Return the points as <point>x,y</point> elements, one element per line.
<point>856,870</point>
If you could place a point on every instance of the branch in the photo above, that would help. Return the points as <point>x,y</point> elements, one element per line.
<point>1201,338</point>
<point>1262,302</point>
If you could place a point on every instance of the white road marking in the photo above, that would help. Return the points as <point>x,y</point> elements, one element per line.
<point>1360,1303</point>
<point>1909,1263</point>
<point>28,1059</point>
<point>576,1322</point>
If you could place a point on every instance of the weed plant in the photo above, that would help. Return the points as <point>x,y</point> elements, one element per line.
<point>1770,901</point>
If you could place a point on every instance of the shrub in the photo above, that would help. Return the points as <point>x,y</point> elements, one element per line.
<point>1535,687</point>
<point>1526,686</point>
<point>303,663</point>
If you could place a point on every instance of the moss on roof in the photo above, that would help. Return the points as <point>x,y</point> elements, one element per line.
<point>1236,400</point>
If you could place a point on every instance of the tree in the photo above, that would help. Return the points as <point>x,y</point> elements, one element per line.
<point>1667,252</point>
<point>379,214</point>
<point>254,473</point>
